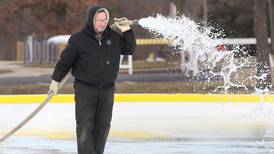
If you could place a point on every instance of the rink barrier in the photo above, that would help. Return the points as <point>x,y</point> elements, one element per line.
<point>124,98</point>
<point>175,102</point>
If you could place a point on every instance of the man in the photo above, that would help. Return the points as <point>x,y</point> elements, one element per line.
<point>94,56</point>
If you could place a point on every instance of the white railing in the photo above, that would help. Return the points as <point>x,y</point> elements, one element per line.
<point>246,41</point>
<point>128,65</point>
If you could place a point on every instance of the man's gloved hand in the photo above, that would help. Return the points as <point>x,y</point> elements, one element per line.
<point>54,85</point>
<point>122,24</point>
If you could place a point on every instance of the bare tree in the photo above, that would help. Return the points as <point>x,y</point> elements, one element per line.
<point>205,11</point>
<point>262,55</point>
<point>20,18</point>
<point>271,19</point>
<point>193,8</point>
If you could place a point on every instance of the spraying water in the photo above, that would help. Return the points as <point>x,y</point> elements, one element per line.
<point>200,42</point>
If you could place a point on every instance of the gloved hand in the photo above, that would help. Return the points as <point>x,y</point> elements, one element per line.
<point>122,24</point>
<point>54,85</point>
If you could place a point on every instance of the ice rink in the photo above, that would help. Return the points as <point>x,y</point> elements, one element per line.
<point>147,124</point>
<point>33,145</point>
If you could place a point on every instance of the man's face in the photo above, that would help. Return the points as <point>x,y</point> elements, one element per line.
<point>100,22</point>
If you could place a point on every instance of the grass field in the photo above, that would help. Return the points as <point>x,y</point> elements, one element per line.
<point>144,87</point>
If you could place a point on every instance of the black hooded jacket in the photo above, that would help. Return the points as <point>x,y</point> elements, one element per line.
<point>93,61</point>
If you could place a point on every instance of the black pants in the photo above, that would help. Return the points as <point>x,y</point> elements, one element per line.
<point>93,116</point>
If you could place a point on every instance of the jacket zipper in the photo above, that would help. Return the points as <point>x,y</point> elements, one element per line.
<point>100,38</point>
<point>100,43</point>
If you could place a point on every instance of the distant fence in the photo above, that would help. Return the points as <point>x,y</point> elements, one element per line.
<point>42,52</point>
<point>39,52</point>
<point>32,51</point>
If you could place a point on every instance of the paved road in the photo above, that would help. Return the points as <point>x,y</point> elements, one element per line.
<point>140,77</point>
<point>22,74</point>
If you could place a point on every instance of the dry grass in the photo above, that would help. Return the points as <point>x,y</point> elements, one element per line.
<point>158,87</point>
<point>2,71</point>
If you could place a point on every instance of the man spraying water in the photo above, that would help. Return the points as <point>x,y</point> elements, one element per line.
<point>94,55</point>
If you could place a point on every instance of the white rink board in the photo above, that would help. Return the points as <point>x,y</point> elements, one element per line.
<point>150,119</point>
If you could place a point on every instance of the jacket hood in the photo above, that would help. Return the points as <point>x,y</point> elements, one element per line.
<point>91,17</point>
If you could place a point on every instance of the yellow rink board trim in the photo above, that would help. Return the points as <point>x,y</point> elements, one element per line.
<point>123,98</point>
<point>131,134</point>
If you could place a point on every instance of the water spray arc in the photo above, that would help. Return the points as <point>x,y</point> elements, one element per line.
<point>200,43</point>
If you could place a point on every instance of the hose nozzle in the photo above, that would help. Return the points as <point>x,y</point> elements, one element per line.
<point>135,22</point>
<point>125,21</point>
